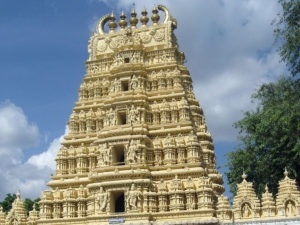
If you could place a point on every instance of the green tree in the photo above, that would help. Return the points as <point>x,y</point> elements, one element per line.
<point>28,205</point>
<point>7,202</point>
<point>269,136</point>
<point>287,34</point>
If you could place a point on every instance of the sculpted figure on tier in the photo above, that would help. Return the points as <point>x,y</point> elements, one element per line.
<point>246,211</point>
<point>133,115</point>
<point>132,150</point>
<point>102,199</point>
<point>290,208</point>
<point>104,155</point>
<point>134,196</point>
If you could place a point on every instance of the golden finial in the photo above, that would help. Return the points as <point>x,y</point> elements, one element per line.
<point>244,176</point>
<point>144,19</point>
<point>267,189</point>
<point>123,22</point>
<point>133,20</point>
<point>155,17</point>
<point>286,173</point>
<point>34,206</point>
<point>18,194</point>
<point>112,23</point>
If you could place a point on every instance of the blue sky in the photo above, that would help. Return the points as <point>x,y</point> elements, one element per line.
<point>43,46</point>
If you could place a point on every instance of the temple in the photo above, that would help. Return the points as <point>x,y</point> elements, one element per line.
<point>138,150</point>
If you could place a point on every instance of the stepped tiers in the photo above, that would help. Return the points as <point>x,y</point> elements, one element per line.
<point>138,150</point>
<point>138,147</point>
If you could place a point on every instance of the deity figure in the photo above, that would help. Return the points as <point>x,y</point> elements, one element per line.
<point>176,184</point>
<point>132,150</point>
<point>102,199</point>
<point>289,209</point>
<point>161,186</point>
<point>246,211</point>
<point>114,86</point>
<point>134,82</point>
<point>15,221</point>
<point>111,118</point>
<point>104,156</point>
<point>133,115</point>
<point>134,196</point>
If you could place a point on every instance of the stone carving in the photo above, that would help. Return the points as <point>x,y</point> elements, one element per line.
<point>133,115</point>
<point>246,211</point>
<point>128,37</point>
<point>101,46</point>
<point>134,196</point>
<point>290,208</point>
<point>146,38</point>
<point>104,155</point>
<point>111,118</point>
<point>176,184</point>
<point>132,152</point>
<point>134,82</point>
<point>102,199</point>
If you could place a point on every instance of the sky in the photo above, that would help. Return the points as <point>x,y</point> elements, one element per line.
<point>228,44</point>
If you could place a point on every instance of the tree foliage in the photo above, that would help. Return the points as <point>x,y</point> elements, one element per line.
<point>28,205</point>
<point>288,34</point>
<point>269,136</point>
<point>7,202</point>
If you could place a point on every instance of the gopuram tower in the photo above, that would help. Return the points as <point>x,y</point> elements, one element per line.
<point>138,149</point>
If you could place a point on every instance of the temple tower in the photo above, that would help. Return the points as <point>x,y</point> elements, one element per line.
<point>17,214</point>
<point>138,149</point>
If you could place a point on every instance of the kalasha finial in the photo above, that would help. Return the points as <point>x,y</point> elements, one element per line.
<point>34,207</point>
<point>123,22</point>
<point>155,17</point>
<point>133,20</point>
<point>286,173</point>
<point>244,176</point>
<point>112,23</point>
<point>267,189</point>
<point>144,19</point>
<point>18,194</point>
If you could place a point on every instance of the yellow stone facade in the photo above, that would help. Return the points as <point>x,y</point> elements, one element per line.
<point>138,149</point>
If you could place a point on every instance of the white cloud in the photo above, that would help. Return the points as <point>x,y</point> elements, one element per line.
<point>16,135</point>
<point>47,158</point>
<point>13,123</point>
<point>229,49</point>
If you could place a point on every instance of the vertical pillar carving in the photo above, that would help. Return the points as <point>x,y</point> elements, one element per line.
<point>181,149</point>
<point>57,204</point>
<point>163,200</point>
<point>46,205</point>
<point>81,202</point>
<point>91,203</point>
<point>176,195</point>
<point>169,150</point>
<point>205,193</point>
<point>81,160</point>
<point>193,149</point>
<point>69,205</point>
<point>158,155</point>
<point>190,194</point>
<point>71,160</point>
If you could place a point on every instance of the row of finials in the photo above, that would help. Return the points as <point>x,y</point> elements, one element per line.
<point>133,19</point>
